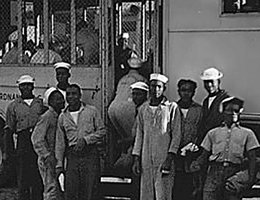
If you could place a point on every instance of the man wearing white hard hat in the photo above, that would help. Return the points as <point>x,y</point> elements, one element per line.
<point>21,117</point>
<point>62,72</point>
<point>211,115</point>
<point>43,140</point>
<point>121,111</point>
<point>158,135</point>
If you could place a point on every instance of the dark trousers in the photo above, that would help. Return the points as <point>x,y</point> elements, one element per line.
<point>214,187</point>
<point>82,176</point>
<point>30,186</point>
<point>183,186</point>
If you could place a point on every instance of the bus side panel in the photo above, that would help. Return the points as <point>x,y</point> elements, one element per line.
<point>88,78</point>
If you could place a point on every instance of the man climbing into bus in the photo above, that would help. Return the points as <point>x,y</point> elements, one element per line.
<point>80,131</point>
<point>158,135</point>
<point>21,117</point>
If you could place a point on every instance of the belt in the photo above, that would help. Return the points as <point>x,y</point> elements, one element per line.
<point>225,164</point>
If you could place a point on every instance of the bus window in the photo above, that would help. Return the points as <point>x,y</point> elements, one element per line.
<point>51,31</point>
<point>240,6</point>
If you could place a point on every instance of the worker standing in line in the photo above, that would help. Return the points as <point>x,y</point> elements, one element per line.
<point>43,140</point>
<point>158,136</point>
<point>21,117</point>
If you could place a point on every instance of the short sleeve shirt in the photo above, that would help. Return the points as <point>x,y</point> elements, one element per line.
<point>229,144</point>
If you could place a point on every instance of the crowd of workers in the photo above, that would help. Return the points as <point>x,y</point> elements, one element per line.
<point>172,150</point>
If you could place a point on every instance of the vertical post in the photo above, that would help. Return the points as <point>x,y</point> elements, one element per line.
<point>156,36</point>
<point>143,30</point>
<point>20,29</point>
<point>73,31</point>
<point>46,30</point>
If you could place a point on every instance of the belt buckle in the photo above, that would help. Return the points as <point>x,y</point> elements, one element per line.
<point>225,164</point>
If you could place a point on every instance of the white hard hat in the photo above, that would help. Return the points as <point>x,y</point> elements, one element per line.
<point>140,85</point>
<point>125,35</point>
<point>25,79</point>
<point>135,62</point>
<point>158,77</point>
<point>62,65</point>
<point>47,94</point>
<point>211,74</point>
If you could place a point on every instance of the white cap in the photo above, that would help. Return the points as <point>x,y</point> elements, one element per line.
<point>62,65</point>
<point>140,85</point>
<point>13,36</point>
<point>25,79</point>
<point>125,35</point>
<point>47,94</point>
<point>211,74</point>
<point>135,62</point>
<point>159,77</point>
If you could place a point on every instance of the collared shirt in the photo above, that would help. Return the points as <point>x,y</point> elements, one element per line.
<point>90,127</point>
<point>229,145</point>
<point>44,134</point>
<point>20,116</point>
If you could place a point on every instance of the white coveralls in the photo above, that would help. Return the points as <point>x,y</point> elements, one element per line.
<point>157,135</point>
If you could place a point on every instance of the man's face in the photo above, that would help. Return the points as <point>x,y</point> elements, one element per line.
<point>26,89</point>
<point>139,96</point>
<point>231,113</point>
<point>212,86</point>
<point>156,89</point>
<point>58,102</point>
<point>62,75</point>
<point>186,92</point>
<point>73,96</point>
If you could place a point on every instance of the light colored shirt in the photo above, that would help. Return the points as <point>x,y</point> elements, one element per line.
<point>20,116</point>
<point>229,144</point>
<point>211,99</point>
<point>44,134</point>
<point>75,116</point>
<point>28,101</point>
<point>38,57</point>
<point>90,127</point>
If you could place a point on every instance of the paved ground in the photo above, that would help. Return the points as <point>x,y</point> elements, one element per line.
<point>11,194</point>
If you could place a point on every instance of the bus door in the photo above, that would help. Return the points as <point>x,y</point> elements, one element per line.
<point>137,21</point>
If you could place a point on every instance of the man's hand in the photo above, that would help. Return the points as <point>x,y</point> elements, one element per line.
<point>59,170</point>
<point>194,166</point>
<point>167,164</point>
<point>136,168</point>
<point>80,144</point>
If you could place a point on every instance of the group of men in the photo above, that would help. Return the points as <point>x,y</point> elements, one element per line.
<point>181,150</point>
<point>185,151</point>
<point>53,140</point>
